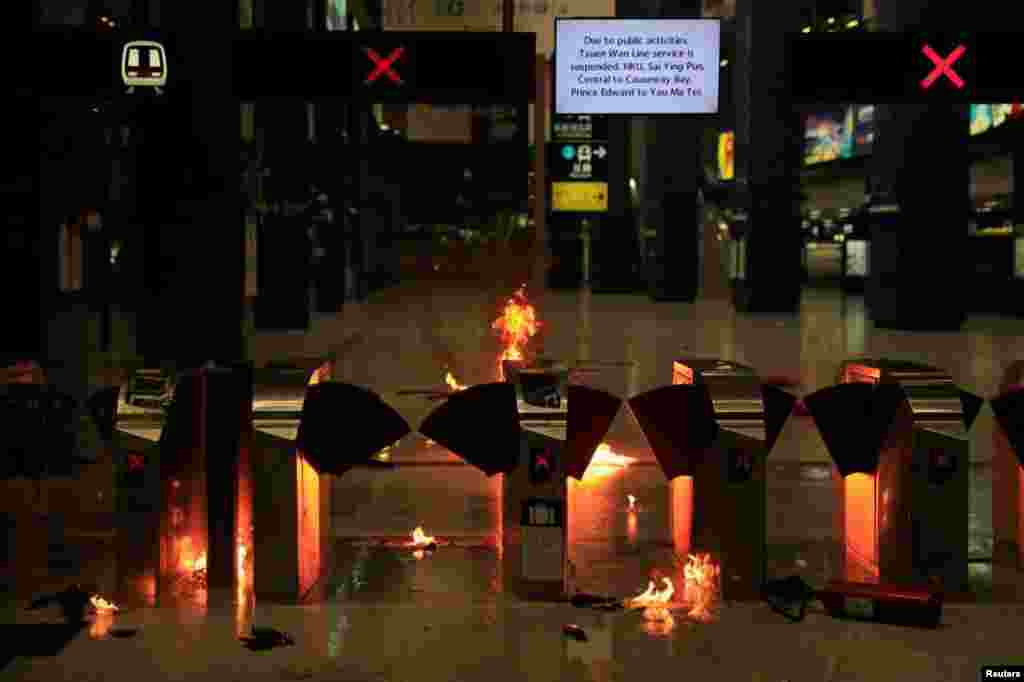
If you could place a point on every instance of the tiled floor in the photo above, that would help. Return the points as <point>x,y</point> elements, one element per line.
<point>445,621</point>
<point>501,641</point>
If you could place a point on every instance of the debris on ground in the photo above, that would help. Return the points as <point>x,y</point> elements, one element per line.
<point>123,633</point>
<point>576,632</point>
<point>264,639</point>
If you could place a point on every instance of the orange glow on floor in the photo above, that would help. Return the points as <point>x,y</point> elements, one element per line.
<point>308,499</point>
<point>1020,510</point>
<point>861,525</point>
<point>682,514</point>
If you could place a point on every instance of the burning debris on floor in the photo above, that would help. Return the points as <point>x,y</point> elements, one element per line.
<point>422,543</point>
<point>453,383</point>
<point>101,605</point>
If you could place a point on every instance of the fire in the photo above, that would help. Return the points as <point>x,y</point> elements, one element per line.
<point>200,562</point>
<point>632,502</point>
<point>701,585</point>
<point>653,597</point>
<point>101,605</point>
<point>421,539</point>
<point>606,462</point>
<point>517,324</point>
<point>241,563</point>
<point>452,383</point>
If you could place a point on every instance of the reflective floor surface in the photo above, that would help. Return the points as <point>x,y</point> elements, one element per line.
<point>344,642</point>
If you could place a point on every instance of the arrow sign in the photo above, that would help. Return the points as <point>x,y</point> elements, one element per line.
<point>600,152</point>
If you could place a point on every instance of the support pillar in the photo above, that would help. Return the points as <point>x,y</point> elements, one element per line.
<point>205,304</point>
<point>671,163</point>
<point>768,154</point>
<point>921,162</point>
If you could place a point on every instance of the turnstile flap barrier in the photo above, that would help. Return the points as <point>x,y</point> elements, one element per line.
<point>734,388</point>
<point>853,420</point>
<point>343,425</point>
<point>481,425</point>
<point>591,412</point>
<point>679,423</point>
<point>970,405</point>
<point>778,405</point>
<point>931,393</point>
<point>1009,411</point>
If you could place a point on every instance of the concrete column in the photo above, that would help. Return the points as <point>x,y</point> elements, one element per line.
<point>920,163</point>
<point>768,138</point>
<point>207,313</point>
<point>668,187</point>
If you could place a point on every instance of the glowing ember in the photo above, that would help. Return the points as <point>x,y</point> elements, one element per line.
<point>606,462</point>
<point>701,585</point>
<point>421,539</point>
<point>518,322</point>
<point>419,554</point>
<point>632,502</point>
<point>101,605</point>
<point>452,383</point>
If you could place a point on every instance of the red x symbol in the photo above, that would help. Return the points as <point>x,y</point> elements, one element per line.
<point>382,65</point>
<point>943,66</point>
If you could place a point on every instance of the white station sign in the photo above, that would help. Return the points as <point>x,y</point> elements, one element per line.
<point>637,66</point>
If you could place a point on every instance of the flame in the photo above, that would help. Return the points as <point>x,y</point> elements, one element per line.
<point>419,554</point>
<point>517,324</point>
<point>101,605</point>
<point>606,462</point>
<point>195,565</point>
<point>632,502</point>
<point>452,383</point>
<point>421,539</point>
<point>653,597</point>
<point>701,585</point>
<point>241,563</point>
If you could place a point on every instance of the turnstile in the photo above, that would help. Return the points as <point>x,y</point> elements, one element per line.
<point>908,521</point>
<point>721,509</point>
<point>1008,470</point>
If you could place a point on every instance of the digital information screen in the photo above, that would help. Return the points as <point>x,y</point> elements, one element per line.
<point>636,66</point>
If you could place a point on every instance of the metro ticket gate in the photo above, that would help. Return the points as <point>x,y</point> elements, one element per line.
<point>720,508</point>
<point>1008,470</point>
<point>907,520</point>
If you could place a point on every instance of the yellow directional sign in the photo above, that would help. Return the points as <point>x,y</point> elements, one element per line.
<point>583,197</point>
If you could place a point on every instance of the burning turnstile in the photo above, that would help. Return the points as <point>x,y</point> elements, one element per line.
<point>907,522</point>
<point>721,508</point>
